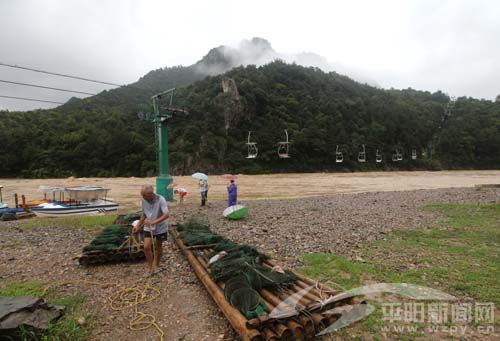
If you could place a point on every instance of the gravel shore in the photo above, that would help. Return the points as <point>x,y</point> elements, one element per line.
<point>285,229</point>
<point>337,224</point>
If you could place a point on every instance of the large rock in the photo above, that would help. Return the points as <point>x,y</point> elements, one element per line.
<point>26,312</point>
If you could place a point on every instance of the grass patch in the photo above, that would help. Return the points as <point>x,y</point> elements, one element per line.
<point>74,325</point>
<point>85,222</point>
<point>32,288</point>
<point>342,273</point>
<point>10,244</point>
<point>459,255</point>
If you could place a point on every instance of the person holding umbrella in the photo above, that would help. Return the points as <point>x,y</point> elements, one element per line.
<point>203,183</point>
<point>203,191</point>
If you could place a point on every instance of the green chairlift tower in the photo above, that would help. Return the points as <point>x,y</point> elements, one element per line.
<point>160,117</point>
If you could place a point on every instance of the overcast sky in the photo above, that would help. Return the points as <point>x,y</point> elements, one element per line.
<point>452,45</point>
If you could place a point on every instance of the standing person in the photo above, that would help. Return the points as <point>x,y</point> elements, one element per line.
<point>203,191</point>
<point>154,219</point>
<point>232,193</point>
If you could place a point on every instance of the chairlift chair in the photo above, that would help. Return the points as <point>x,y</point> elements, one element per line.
<point>400,156</point>
<point>362,155</point>
<point>413,154</point>
<point>252,148</point>
<point>395,156</point>
<point>283,148</point>
<point>378,156</point>
<point>339,157</point>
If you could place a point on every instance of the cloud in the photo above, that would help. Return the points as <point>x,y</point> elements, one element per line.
<point>258,51</point>
<point>426,44</point>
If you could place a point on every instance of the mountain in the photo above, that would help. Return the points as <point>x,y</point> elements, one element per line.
<point>102,135</point>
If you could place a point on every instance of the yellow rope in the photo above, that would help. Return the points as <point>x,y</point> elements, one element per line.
<point>133,297</point>
<point>129,297</point>
<point>138,295</point>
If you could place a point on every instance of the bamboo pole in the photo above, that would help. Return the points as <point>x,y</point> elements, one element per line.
<point>297,330</point>
<point>282,331</point>
<point>237,320</point>
<point>320,294</point>
<point>306,280</point>
<point>269,335</point>
<point>309,295</point>
<point>307,324</point>
<point>302,300</point>
<point>270,297</point>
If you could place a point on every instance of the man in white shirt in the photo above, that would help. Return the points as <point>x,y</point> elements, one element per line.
<point>203,191</point>
<point>154,219</point>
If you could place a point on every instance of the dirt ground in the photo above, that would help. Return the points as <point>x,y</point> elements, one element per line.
<point>272,186</point>
<point>283,228</point>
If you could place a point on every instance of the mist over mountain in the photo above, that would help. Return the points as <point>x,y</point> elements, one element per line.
<point>258,51</point>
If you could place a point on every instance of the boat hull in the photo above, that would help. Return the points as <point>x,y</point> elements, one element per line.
<point>75,210</point>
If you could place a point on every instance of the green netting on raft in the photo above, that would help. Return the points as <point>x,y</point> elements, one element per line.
<point>110,238</point>
<point>241,268</point>
<point>240,293</point>
<point>197,232</point>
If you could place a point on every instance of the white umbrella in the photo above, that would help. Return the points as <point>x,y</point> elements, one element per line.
<point>200,176</point>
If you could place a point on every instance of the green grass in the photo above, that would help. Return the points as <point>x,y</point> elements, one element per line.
<point>459,255</point>
<point>10,243</point>
<point>68,327</point>
<point>32,288</point>
<point>86,222</point>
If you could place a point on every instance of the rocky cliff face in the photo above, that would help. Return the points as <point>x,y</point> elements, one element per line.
<point>230,103</point>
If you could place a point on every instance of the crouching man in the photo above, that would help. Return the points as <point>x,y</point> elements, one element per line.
<point>154,219</point>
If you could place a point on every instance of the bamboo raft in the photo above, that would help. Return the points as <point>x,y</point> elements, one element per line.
<point>109,256</point>
<point>309,316</point>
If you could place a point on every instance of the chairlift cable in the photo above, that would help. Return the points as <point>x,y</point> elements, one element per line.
<point>30,99</point>
<point>46,87</point>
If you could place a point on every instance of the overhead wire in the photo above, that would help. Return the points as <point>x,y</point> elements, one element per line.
<point>66,75</point>
<point>30,99</point>
<point>58,74</point>
<point>53,88</point>
<point>46,87</point>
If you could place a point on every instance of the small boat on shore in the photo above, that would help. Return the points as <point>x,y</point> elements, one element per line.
<point>74,200</point>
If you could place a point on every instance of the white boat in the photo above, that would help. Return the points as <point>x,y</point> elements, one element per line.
<point>75,200</point>
<point>2,205</point>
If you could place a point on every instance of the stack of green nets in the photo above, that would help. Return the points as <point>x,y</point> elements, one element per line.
<point>241,269</point>
<point>110,238</point>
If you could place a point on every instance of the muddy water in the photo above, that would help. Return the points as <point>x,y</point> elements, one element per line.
<point>272,186</point>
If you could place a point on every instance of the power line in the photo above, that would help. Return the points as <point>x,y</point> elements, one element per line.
<point>46,87</point>
<point>58,74</point>
<point>30,99</point>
